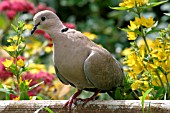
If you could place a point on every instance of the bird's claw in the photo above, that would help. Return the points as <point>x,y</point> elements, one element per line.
<point>73,99</point>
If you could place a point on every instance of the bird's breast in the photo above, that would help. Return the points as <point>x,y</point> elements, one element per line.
<point>69,58</point>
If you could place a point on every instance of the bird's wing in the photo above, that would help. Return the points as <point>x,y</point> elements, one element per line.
<point>102,70</point>
<point>60,77</point>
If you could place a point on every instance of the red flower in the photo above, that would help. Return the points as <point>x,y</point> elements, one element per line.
<point>36,78</point>
<point>41,76</point>
<point>41,32</point>
<point>5,5</point>
<point>11,14</point>
<point>47,36</point>
<point>41,7</point>
<point>70,25</point>
<point>11,7</point>
<point>18,6</point>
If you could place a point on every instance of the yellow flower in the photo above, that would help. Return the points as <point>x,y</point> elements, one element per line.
<point>147,22</point>
<point>51,69</point>
<point>27,82</point>
<point>136,84</point>
<point>48,49</point>
<point>132,74</point>
<point>20,62</point>
<point>12,38</point>
<point>166,65</point>
<point>7,63</point>
<point>8,82</point>
<point>28,26</point>
<point>150,42</point>
<point>131,59</point>
<point>11,48</point>
<point>168,76</point>
<point>160,54</point>
<point>127,3</point>
<point>141,2</point>
<point>126,51</point>
<point>137,21</point>
<point>9,40</point>
<point>133,3</point>
<point>35,68</point>
<point>138,67</point>
<point>133,26</point>
<point>132,35</point>
<point>90,35</point>
<point>16,98</point>
<point>15,37</point>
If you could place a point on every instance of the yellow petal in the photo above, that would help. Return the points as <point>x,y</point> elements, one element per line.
<point>11,48</point>
<point>20,62</point>
<point>7,63</point>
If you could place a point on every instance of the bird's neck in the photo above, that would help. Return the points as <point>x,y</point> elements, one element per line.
<point>56,34</point>
<point>53,31</point>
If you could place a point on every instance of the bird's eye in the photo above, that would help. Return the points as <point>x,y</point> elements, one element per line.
<point>43,18</point>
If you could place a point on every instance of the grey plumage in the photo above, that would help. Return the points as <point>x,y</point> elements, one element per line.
<point>79,61</point>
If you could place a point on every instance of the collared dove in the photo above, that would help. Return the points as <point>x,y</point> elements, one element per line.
<point>78,61</point>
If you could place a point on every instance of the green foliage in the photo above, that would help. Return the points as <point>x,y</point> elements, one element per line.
<point>143,98</point>
<point>17,65</point>
<point>147,59</point>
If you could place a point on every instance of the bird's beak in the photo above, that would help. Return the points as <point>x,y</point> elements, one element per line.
<point>35,27</point>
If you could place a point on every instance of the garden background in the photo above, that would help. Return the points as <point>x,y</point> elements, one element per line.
<point>95,18</point>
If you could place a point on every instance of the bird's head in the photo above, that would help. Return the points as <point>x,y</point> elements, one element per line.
<point>44,20</point>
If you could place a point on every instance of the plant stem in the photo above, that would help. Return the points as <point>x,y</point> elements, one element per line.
<point>144,38</point>
<point>159,78</point>
<point>167,85</point>
<point>143,34</point>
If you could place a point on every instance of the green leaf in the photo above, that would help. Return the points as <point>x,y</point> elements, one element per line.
<point>119,8</point>
<point>149,107</point>
<point>14,27</point>
<point>49,110</point>
<point>39,97</point>
<point>126,29</point>
<point>24,88</point>
<point>13,69</point>
<point>143,98</point>
<point>34,86</point>
<point>150,5</point>
<point>21,24</point>
<point>38,110</point>
<point>160,93</point>
<point>7,91</point>
<point>3,23</point>
<point>24,95</point>
<point>118,94</point>
<point>168,14</point>
<point>7,97</point>
<point>22,49</point>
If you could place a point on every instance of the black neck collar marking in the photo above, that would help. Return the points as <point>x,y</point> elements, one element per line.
<point>64,29</point>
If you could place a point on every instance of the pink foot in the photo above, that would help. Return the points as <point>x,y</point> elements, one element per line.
<point>74,99</point>
<point>93,97</point>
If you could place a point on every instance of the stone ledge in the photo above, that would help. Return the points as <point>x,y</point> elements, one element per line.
<point>98,106</point>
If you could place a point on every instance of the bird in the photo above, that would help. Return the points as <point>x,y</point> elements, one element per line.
<point>78,61</point>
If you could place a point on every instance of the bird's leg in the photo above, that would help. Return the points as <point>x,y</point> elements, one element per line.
<point>71,100</point>
<point>93,97</point>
